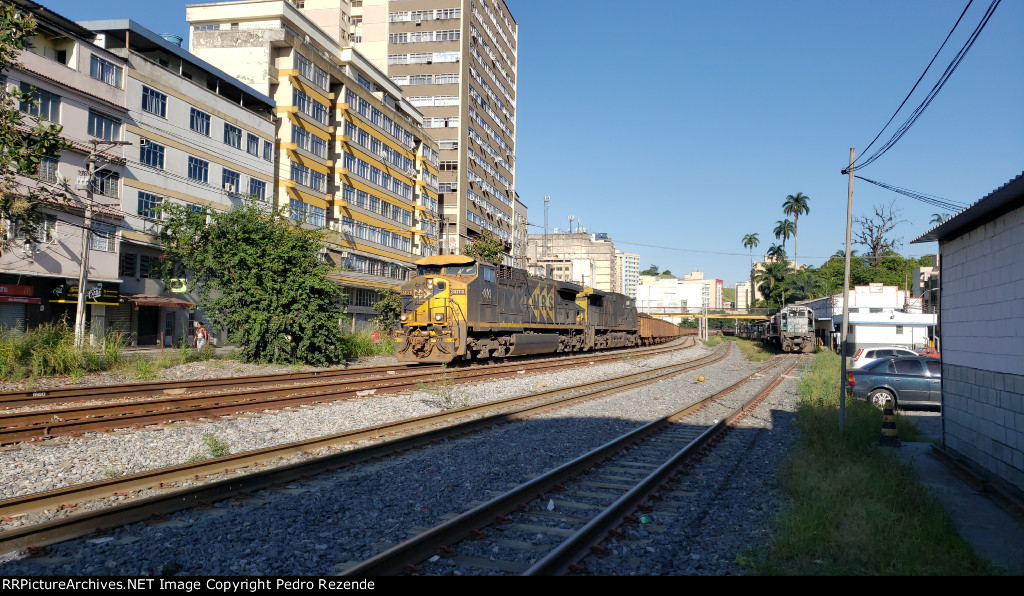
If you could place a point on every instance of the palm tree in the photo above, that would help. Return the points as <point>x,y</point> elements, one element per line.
<point>770,281</point>
<point>795,206</point>
<point>750,241</point>
<point>940,218</point>
<point>778,252</point>
<point>783,229</point>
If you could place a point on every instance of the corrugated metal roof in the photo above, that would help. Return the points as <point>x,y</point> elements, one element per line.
<point>1007,196</point>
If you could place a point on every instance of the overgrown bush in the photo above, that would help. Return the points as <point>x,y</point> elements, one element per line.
<point>50,350</point>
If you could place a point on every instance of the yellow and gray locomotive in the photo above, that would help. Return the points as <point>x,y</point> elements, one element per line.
<point>458,308</point>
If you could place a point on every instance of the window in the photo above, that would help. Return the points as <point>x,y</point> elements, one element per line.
<point>129,261</point>
<point>268,150</point>
<point>208,27</point>
<point>198,169</point>
<point>43,105</point>
<point>154,102</point>
<point>230,180</point>
<point>104,127</point>
<point>102,237</point>
<point>149,205</point>
<point>252,144</point>
<point>148,266</point>
<point>105,71</point>
<point>151,154</point>
<point>48,169</point>
<point>300,174</point>
<point>232,136</point>
<point>105,183</point>
<point>199,122</point>
<point>258,189</point>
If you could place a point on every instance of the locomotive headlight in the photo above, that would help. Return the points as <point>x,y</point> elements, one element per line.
<point>438,317</point>
<point>404,318</point>
<point>430,284</point>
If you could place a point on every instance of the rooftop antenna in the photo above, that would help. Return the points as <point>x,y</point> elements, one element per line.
<point>547,204</point>
<point>571,217</point>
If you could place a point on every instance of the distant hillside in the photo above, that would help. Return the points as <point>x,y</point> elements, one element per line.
<point>729,294</point>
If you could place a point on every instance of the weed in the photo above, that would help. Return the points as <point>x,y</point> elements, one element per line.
<point>111,473</point>
<point>443,388</point>
<point>76,375</point>
<point>216,447</point>
<point>144,369</point>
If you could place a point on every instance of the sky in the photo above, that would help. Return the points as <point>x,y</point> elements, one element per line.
<point>677,127</point>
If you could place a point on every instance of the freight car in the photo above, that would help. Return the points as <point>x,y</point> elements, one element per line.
<point>656,331</point>
<point>456,308</point>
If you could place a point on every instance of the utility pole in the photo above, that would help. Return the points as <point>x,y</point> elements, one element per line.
<point>846,295</point>
<point>83,274</point>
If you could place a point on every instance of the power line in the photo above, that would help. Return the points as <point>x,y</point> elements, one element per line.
<point>929,199</point>
<point>950,69</point>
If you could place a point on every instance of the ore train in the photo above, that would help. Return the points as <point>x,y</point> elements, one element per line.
<point>458,308</point>
<point>789,330</point>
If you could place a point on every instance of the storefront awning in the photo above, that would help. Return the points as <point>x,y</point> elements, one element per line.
<point>151,300</point>
<point>21,299</point>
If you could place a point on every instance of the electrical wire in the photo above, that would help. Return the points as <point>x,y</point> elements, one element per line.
<point>928,199</point>
<point>950,69</point>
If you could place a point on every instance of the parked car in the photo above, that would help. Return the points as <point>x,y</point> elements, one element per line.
<point>906,379</point>
<point>865,356</point>
<point>928,352</point>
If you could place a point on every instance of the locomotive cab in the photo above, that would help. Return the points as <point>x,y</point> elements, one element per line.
<point>435,310</point>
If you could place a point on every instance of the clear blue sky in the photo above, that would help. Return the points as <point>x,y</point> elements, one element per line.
<point>677,127</point>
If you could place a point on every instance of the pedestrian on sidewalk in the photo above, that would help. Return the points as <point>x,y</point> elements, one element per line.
<point>202,336</point>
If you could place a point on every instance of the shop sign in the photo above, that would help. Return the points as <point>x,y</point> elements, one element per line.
<point>15,290</point>
<point>96,293</point>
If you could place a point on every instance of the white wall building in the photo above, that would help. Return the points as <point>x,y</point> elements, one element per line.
<point>982,313</point>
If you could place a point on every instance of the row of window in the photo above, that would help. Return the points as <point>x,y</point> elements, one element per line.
<point>373,174</point>
<point>378,118</point>
<point>310,107</point>
<point>310,142</point>
<point>378,235</point>
<point>480,161</point>
<point>427,79</point>
<point>307,177</point>
<point>424,36</point>
<point>487,89</point>
<point>423,58</point>
<point>306,213</point>
<point>361,264</point>
<point>490,150</point>
<point>377,147</point>
<point>424,15</point>
<point>141,266</point>
<point>312,72</point>
<point>500,233</point>
<point>364,200</point>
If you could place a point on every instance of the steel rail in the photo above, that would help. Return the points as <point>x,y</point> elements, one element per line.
<point>443,424</point>
<point>402,557</point>
<point>36,424</point>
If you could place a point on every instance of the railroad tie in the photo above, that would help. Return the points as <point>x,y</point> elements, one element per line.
<point>889,436</point>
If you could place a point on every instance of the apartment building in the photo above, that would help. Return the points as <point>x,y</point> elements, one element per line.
<point>351,154</point>
<point>627,272</point>
<point>79,86</point>
<point>583,258</point>
<point>196,136</point>
<point>456,60</point>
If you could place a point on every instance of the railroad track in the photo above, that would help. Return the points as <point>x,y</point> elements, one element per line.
<point>65,395</point>
<point>548,525</point>
<point>37,424</point>
<point>160,492</point>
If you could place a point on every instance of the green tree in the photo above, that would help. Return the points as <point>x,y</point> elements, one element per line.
<point>25,139</point>
<point>939,218</point>
<point>777,252</point>
<point>388,308</point>
<point>260,279</point>
<point>783,229</point>
<point>770,282</point>
<point>666,273</point>
<point>486,247</point>
<point>795,206</point>
<point>652,270</point>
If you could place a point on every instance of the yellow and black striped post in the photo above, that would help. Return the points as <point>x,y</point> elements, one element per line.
<point>889,436</point>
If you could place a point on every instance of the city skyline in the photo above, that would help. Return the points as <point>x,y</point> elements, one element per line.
<point>690,134</point>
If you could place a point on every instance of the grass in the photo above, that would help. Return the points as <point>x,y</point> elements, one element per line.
<point>754,351</point>
<point>444,389</point>
<point>853,509</point>
<point>214,448</point>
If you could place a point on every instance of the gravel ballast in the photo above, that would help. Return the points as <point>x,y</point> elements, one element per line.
<point>321,526</point>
